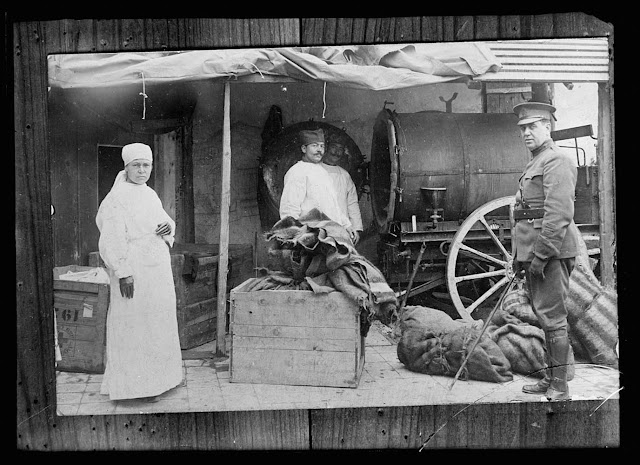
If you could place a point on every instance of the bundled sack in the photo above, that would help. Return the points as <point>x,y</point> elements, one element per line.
<point>516,307</point>
<point>524,346</point>
<point>433,343</point>
<point>593,316</point>
<point>515,329</point>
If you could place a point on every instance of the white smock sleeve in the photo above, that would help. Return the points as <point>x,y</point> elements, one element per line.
<point>113,244</point>
<point>293,193</point>
<point>353,206</point>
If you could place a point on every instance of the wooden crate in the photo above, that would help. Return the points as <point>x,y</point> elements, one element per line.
<point>196,298</point>
<point>295,338</point>
<point>195,276</point>
<point>81,318</point>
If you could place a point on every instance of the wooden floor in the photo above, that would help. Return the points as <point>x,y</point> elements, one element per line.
<point>384,382</point>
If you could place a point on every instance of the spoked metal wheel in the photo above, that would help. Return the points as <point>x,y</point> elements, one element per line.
<point>480,255</point>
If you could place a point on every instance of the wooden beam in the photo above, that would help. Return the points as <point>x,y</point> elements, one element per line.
<point>606,181</point>
<point>165,167</point>
<point>266,79</point>
<point>184,183</point>
<point>225,201</point>
<point>572,133</point>
<point>157,126</point>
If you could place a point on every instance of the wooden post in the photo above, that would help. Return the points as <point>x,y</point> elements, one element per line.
<point>606,169</point>
<point>225,201</point>
<point>164,169</point>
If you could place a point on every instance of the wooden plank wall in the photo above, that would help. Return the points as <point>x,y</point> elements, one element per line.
<point>38,428</point>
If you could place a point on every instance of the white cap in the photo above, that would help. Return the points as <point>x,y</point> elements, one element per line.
<point>135,151</point>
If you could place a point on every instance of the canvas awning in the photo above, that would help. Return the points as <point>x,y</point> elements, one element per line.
<point>374,67</point>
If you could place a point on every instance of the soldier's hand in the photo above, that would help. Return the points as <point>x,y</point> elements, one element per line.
<point>518,268</point>
<point>537,267</point>
<point>126,287</point>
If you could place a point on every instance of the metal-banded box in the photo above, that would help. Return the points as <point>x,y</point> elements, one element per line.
<point>295,338</point>
<point>81,319</point>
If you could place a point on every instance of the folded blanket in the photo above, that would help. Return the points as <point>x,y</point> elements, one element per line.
<point>275,281</point>
<point>93,275</point>
<point>433,343</point>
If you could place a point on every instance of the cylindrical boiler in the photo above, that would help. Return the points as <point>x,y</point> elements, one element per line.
<point>283,151</point>
<point>477,157</point>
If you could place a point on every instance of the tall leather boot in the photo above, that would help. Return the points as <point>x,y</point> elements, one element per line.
<point>541,386</point>
<point>559,349</point>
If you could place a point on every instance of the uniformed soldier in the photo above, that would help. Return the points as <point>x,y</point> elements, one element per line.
<point>546,240</point>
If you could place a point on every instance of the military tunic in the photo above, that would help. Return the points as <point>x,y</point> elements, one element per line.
<point>548,182</point>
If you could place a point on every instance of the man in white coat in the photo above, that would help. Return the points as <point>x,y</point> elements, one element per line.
<point>307,185</point>
<point>345,188</point>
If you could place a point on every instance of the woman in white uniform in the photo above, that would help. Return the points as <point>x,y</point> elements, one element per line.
<point>143,356</point>
<point>307,185</point>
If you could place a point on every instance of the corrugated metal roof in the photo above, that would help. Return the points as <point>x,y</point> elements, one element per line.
<point>551,60</point>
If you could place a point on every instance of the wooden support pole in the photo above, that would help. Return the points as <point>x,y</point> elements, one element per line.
<point>606,180</point>
<point>225,201</point>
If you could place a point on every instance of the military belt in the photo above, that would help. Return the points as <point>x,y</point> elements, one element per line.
<point>528,213</point>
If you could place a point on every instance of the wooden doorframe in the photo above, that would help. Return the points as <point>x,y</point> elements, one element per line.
<point>173,174</point>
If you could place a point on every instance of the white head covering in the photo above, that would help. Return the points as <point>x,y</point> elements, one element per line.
<point>132,152</point>
<point>135,151</point>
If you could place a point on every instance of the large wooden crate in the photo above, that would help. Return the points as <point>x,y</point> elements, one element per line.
<point>195,276</point>
<point>295,338</point>
<point>81,318</point>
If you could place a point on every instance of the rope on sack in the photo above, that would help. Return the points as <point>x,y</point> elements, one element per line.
<point>440,357</point>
